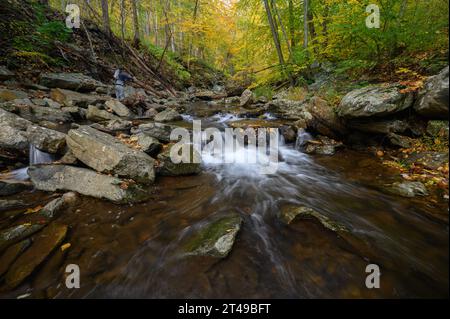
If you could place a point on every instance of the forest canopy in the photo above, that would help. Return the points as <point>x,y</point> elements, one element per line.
<point>270,41</point>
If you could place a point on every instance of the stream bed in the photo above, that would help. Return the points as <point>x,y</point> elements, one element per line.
<point>135,251</point>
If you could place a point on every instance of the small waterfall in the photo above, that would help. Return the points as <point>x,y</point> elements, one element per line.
<point>39,157</point>
<point>302,138</point>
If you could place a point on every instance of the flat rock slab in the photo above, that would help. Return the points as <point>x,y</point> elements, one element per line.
<point>70,81</point>
<point>86,182</point>
<point>118,108</point>
<point>72,98</point>
<point>374,101</point>
<point>106,154</point>
<point>16,233</point>
<point>44,243</point>
<point>215,239</point>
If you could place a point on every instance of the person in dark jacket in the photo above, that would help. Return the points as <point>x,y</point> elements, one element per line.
<point>120,77</point>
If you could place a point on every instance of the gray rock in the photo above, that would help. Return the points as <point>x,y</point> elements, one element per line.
<point>95,114</point>
<point>321,146</point>
<point>57,205</point>
<point>166,167</point>
<point>71,98</point>
<point>69,81</point>
<point>292,212</point>
<point>75,112</point>
<point>12,138</point>
<point>107,154</point>
<point>399,140</point>
<point>438,129</point>
<point>46,140</point>
<point>374,101</point>
<point>118,108</point>
<point>151,113</point>
<point>379,127</point>
<point>8,204</point>
<point>11,187</point>
<point>433,98</point>
<point>159,131</point>
<point>9,95</point>
<point>246,99</point>
<point>148,144</point>
<point>14,234</point>
<point>52,178</point>
<point>5,74</point>
<point>68,158</point>
<point>215,239</point>
<point>39,113</point>
<point>51,103</point>
<point>14,120</point>
<point>407,189</point>
<point>168,115</point>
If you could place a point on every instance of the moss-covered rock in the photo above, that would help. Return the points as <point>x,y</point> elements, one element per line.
<point>215,239</point>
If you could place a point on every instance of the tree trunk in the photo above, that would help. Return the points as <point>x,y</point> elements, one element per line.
<point>137,36</point>
<point>276,40</point>
<point>122,18</point>
<point>305,24</point>
<point>291,24</point>
<point>283,29</point>
<point>105,15</point>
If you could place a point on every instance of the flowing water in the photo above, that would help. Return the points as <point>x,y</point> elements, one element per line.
<point>136,251</point>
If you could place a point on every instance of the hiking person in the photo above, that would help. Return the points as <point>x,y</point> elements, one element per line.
<point>120,78</point>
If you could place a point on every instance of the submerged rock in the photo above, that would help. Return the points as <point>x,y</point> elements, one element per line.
<point>166,167</point>
<point>46,140</point>
<point>107,154</point>
<point>407,189</point>
<point>44,243</point>
<point>54,207</point>
<point>215,239</point>
<point>289,213</point>
<point>168,115</point>
<point>70,81</point>
<point>17,233</point>
<point>11,254</point>
<point>374,101</point>
<point>8,204</point>
<point>86,182</point>
<point>433,99</point>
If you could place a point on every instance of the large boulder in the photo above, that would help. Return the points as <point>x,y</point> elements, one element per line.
<point>247,98</point>
<point>10,95</point>
<point>168,115</point>
<point>166,166</point>
<point>53,178</point>
<point>216,239</point>
<point>433,99</point>
<point>70,81</point>
<point>95,114</point>
<point>375,101</point>
<point>71,98</point>
<point>118,108</point>
<point>46,140</point>
<point>107,154</point>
